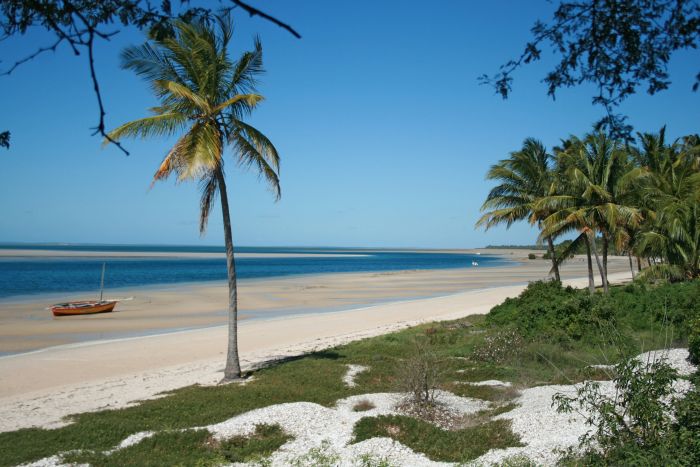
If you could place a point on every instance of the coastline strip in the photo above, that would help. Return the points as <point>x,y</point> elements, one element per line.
<point>114,374</point>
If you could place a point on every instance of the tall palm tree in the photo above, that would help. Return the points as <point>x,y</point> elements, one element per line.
<point>525,177</point>
<point>204,96</point>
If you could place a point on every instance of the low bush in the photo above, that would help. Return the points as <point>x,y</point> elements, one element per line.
<point>694,341</point>
<point>646,424</point>
<point>547,311</point>
<point>419,374</point>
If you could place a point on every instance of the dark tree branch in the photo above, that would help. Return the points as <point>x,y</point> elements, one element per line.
<point>100,129</point>
<point>619,46</point>
<point>252,11</point>
<point>41,50</point>
<point>77,23</point>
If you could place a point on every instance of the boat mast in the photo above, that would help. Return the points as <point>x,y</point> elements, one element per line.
<point>102,281</point>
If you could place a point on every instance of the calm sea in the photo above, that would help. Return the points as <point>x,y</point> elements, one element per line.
<point>29,276</point>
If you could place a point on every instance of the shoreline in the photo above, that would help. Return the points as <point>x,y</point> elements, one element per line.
<point>10,255</point>
<point>158,309</point>
<point>277,317</point>
<point>117,373</point>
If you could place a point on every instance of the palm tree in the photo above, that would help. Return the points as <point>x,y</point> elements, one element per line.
<point>598,178</point>
<point>525,177</point>
<point>674,194</point>
<point>204,96</point>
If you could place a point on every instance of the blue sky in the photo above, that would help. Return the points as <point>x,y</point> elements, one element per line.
<point>384,132</point>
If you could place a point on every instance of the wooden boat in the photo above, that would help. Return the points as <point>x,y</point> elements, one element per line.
<point>83,308</point>
<point>87,307</point>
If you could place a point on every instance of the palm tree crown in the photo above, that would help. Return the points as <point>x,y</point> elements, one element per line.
<point>524,178</point>
<point>204,96</point>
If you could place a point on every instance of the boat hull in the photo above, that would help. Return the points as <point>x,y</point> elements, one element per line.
<point>82,308</point>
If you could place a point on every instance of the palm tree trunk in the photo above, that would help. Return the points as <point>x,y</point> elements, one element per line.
<point>639,264</point>
<point>233,365</point>
<point>605,260</point>
<point>597,260</point>
<point>629,256</point>
<point>591,282</point>
<point>555,266</point>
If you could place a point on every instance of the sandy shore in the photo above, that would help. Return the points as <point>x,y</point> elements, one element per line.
<point>39,388</point>
<point>26,325</point>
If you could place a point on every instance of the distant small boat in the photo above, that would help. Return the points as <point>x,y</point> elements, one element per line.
<point>474,263</point>
<point>83,308</point>
<point>86,307</point>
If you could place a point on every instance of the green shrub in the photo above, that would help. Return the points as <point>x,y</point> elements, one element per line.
<point>645,427</point>
<point>694,341</point>
<point>548,311</point>
<point>638,413</point>
<point>531,256</point>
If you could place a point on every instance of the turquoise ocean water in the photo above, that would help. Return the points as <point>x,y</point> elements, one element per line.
<point>21,276</point>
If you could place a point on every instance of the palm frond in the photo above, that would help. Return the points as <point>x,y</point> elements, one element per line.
<point>165,124</point>
<point>209,187</point>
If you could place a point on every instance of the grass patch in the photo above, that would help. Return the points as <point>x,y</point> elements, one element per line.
<point>483,416</point>
<point>488,393</point>
<point>439,445</point>
<point>189,447</point>
<point>177,448</point>
<point>261,444</point>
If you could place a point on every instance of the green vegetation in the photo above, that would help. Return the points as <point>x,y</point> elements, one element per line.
<point>262,443</point>
<point>640,200</point>
<point>190,447</point>
<point>694,341</point>
<point>524,179</point>
<point>438,444</point>
<point>204,96</point>
<point>547,311</point>
<point>643,425</point>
